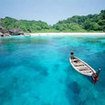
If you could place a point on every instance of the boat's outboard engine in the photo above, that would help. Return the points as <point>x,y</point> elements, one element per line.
<point>95,76</point>
<point>98,72</point>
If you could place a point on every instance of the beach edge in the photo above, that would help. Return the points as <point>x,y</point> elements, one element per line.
<point>62,34</point>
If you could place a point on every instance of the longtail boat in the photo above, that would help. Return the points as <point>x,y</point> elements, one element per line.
<point>83,68</point>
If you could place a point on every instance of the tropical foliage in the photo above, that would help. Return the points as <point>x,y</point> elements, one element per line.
<point>83,23</point>
<point>89,23</point>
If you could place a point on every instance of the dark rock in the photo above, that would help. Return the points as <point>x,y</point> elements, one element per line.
<point>7,34</point>
<point>4,34</point>
<point>1,34</point>
<point>3,31</point>
<point>1,27</point>
<point>16,32</point>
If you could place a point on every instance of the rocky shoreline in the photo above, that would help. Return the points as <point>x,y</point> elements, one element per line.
<point>10,32</point>
<point>16,32</point>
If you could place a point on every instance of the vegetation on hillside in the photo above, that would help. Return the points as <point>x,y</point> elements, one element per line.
<point>83,23</point>
<point>89,23</point>
<point>25,25</point>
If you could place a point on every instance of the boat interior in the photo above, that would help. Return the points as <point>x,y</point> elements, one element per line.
<point>81,66</point>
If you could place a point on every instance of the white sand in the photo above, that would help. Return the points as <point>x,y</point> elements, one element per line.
<point>61,34</point>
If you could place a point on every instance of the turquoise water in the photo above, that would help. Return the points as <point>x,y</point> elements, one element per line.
<point>36,70</point>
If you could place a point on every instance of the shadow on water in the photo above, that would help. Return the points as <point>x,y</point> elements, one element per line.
<point>27,72</point>
<point>73,92</point>
<point>89,78</point>
<point>74,88</point>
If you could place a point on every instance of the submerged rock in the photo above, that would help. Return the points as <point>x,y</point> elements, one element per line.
<point>74,87</point>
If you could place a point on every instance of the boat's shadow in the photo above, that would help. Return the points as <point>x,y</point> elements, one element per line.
<point>89,78</point>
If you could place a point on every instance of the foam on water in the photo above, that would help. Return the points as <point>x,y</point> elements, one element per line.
<point>36,70</point>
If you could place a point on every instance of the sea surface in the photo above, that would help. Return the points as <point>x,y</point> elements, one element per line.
<point>35,70</point>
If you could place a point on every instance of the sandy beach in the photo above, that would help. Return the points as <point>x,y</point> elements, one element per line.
<point>61,34</point>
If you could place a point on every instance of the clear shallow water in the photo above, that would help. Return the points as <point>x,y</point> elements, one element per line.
<point>36,70</point>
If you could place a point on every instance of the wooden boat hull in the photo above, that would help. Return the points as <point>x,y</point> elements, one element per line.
<point>81,66</point>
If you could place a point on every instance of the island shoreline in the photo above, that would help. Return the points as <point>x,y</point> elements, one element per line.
<point>58,34</point>
<point>63,34</point>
